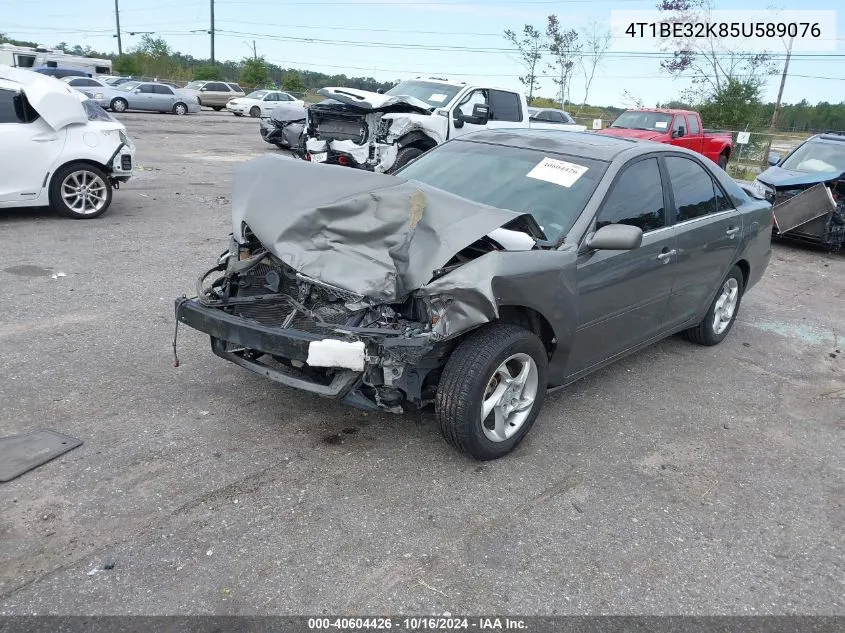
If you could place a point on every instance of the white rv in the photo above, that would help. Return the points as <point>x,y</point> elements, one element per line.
<point>31,58</point>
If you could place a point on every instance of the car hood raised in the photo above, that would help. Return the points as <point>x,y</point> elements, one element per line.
<point>366,100</point>
<point>376,235</point>
<point>778,177</point>
<point>643,135</point>
<point>56,103</point>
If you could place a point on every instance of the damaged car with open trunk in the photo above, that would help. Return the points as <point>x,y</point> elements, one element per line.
<point>489,270</point>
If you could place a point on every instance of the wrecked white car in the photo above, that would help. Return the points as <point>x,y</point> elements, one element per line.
<point>383,132</point>
<point>59,148</point>
<point>489,269</point>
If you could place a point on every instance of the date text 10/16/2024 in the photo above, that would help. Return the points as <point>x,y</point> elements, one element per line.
<point>417,624</point>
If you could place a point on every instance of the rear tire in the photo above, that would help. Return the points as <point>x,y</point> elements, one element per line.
<point>80,191</point>
<point>485,373</point>
<point>725,306</point>
<point>217,108</point>
<point>405,156</point>
<point>119,105</point>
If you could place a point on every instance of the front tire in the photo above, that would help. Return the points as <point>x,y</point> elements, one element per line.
<point>405,156</point>
<point>217,108</point>
<point>180,109</point>
<point>721,316</point>
<point>80,191</point>
<point>723,162</point>
<point>492,390</point>
<point>119,105</point>
<point>255,112</point>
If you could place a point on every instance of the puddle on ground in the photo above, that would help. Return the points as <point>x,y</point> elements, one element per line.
<point>27,270</point>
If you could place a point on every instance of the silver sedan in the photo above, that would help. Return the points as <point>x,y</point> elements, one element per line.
<point>149,96</point>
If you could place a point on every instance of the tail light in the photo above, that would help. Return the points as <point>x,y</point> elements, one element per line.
<point>342,160</point>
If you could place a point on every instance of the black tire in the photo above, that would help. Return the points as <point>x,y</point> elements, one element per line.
<point>723,161</point>
<point>217,108</point>
<point>469,372</point>
<point>255,112</point>
<point>119,105</point>
<point>180,109</point>
<point>705,332</point>
<point>405,156</point>
<point>60,204</point>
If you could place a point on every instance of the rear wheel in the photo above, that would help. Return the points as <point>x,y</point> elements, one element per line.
<point>217,108</point>
<point>180,109</point>
<point>492,390</point>
<point>255,112</point>
<point>80,191</point>
<point>721,316</point>
<point>119,105</point>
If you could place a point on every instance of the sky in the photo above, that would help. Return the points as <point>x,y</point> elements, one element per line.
<point>399,39</point>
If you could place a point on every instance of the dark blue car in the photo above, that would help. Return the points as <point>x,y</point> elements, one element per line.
<point>58,73</point>
<point>818,160</point>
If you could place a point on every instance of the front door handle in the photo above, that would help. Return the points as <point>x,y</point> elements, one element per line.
<point>44,138</point>
<point>731,232</point>
<point>665,257</point>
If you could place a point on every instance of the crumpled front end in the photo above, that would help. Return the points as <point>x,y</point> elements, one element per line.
<point>809,212</point>
<point>266,317</point>
<point>365,138</point>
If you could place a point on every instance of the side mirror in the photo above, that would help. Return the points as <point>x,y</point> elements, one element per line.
<point>203,89</point>
<point>774,158</point>
<point>616,237</point>
<point>480,114</point>
<point>137,91</point>
<point>681,131</point>
<point>458,118</point>
<point>380,91</point>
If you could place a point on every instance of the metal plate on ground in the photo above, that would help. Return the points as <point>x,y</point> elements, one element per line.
<point>22,453</point>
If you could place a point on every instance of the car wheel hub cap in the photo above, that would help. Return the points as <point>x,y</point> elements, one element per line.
<point>725,305</point>
<point>509,397</point>
<point>84,192</point>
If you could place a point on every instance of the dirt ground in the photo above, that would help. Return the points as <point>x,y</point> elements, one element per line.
<point>680,480</point>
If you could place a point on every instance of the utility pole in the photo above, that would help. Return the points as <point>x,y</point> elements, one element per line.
<point>780,90</point>
<point>211,31</point>
<point>117,21</point>
<point>254,51</point>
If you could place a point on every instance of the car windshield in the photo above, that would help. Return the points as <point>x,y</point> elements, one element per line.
<point>257,94</point>
<point>195,85</point>
<point>817,156</point>
<point>129,86</point>
<point>653,121</point>
<point>434,94</point>
<point>499,176</point>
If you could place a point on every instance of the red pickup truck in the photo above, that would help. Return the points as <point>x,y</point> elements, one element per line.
<point>675,127</point>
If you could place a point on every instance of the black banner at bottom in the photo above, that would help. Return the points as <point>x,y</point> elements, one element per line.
<point>412,624</point>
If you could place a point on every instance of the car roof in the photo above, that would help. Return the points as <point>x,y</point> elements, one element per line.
<point>587,144</point>
<point>829,136</point>
<point>662,110</point>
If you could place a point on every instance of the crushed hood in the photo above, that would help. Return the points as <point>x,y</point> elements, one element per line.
<point>55,102</point>
<point>784,178</point>
<point>366,100</point>
<point>376,235</point>
<point>288,112</point>
<point>643,135</point>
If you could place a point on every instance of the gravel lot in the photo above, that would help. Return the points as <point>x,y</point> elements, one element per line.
<point>680,480</point>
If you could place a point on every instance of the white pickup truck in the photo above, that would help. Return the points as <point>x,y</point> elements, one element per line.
<point>383,132</point>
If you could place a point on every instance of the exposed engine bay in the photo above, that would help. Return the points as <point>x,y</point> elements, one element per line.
<point>814,214</point>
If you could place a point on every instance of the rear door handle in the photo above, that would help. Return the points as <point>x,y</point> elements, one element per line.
<point>665,257</point>
<point>732,231</point>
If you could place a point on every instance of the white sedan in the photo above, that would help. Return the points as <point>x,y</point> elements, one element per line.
<point>261,103</point>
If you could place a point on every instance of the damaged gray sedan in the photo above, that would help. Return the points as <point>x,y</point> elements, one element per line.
<point>490,269</point>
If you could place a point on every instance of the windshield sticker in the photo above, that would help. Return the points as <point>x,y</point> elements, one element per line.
<point>557,172</point>
<point>661,125</point>
<point>437,97</point>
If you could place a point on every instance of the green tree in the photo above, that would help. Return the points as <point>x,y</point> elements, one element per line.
<point>254,72</point>
<point>292,82</point>
<point>734,106</point>
<point>208,72</point>
<point>153,46</point>
<point>530,47</point>
<point>126,65</point>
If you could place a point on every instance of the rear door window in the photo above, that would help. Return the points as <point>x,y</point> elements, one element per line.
<point>696,193</point>
<point>636,198</point>
<point>693,124</point>
<point>505,106</point>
